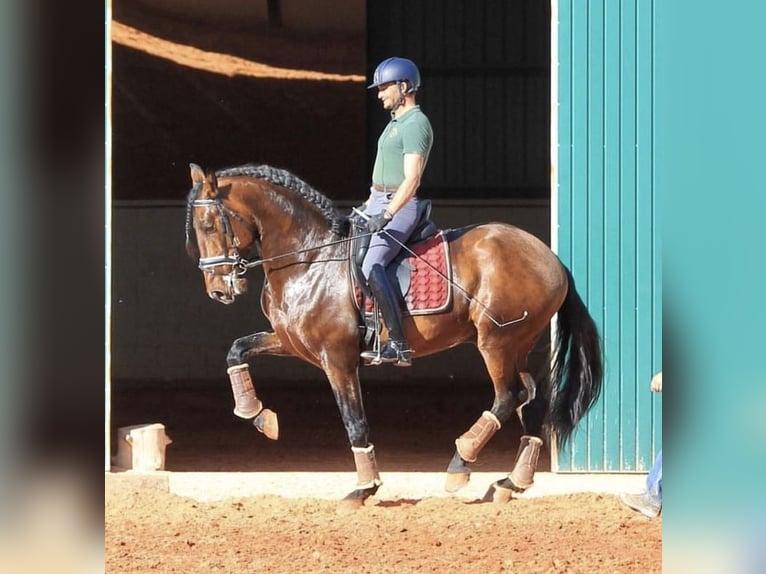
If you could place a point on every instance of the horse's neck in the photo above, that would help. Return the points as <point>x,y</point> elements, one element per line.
<point>287,225</point>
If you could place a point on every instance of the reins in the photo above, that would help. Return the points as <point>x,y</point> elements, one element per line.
<point>240,265</point>
<point>237,261</point>
<point>251,264</point>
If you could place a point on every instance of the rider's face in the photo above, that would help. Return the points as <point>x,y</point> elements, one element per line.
<point>388,94</point>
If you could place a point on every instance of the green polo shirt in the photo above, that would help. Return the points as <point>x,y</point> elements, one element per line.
<point>410,133</point>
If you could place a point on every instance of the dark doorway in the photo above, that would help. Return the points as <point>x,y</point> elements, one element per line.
<point>485,69</point>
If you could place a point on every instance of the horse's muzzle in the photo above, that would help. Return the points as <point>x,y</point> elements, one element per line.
<point>225,288</point>
<point>221,297</point>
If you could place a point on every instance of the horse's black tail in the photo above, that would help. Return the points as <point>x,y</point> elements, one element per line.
<point>577,370</point>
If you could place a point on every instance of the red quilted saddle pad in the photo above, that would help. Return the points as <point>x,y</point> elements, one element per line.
<point>430,290</point>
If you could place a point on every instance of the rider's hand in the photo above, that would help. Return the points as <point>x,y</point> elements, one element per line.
<point>354,218</point>
<point>377,222</point>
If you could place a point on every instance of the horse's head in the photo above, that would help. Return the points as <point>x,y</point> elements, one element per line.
<point>216,235</point>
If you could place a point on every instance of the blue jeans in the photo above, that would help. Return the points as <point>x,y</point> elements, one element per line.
<point>654,481</point>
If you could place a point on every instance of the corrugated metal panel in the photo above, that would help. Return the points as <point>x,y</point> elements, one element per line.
<point>607,213</point>
<point>486,89</point>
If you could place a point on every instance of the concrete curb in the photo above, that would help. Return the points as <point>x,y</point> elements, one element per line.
<point>212,486</point>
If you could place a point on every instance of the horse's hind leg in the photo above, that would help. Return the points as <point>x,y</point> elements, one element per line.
<point>531,414</point>
<point>502,370</point>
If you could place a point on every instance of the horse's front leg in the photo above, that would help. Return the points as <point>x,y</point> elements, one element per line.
<point>348,396</point>
<point>246,404</point>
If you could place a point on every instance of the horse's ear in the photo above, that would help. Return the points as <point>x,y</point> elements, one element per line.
<point>197,175</point>
<point>209,186</point>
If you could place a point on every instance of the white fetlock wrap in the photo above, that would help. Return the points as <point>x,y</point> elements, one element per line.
<point>470,443</point>
<point>366,467</point>
<point>523,473</point>
<point>246,404</point>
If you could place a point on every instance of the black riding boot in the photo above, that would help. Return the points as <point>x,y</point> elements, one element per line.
<point>396,350</point>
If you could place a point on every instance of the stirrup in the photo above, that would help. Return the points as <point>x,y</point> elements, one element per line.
<point>371,357</point>
<point>396,352</point>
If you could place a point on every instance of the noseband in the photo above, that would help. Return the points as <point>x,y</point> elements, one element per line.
<point>239,264</point>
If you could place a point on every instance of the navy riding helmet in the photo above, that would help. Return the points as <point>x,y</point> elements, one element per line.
<point>396,70</point>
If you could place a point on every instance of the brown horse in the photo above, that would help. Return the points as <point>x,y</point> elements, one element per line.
<point>511,286</point>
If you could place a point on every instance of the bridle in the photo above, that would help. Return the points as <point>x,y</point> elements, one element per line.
<point>232,257</point>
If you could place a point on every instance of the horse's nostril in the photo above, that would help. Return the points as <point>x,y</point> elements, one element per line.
<point>217,295</point>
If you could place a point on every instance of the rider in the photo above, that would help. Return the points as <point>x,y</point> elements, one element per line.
<point>403,150</point>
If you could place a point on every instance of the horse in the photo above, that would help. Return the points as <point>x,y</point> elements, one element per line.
<point>510,283</point>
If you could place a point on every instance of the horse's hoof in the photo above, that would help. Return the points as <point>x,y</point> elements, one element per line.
<point>456,480</point>
<point>267,423</point>
<point>349,505</point>
<point>498,494</point>
<point>355,500</point>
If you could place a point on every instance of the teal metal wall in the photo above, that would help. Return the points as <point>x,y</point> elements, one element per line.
<point>605,218</point>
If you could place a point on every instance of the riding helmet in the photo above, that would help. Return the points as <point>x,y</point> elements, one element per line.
<point>396,70</point>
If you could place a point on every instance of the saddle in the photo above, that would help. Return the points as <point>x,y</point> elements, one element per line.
<point>420,275</point>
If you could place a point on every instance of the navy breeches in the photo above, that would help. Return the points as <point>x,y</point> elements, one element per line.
<point>385,246</point>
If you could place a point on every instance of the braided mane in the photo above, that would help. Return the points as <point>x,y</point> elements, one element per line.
<point>338,223</point>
